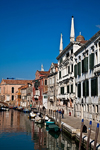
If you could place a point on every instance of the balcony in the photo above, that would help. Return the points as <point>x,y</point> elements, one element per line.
<point>36,97</point>
<point>97,68</point>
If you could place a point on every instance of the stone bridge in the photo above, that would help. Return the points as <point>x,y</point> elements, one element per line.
<point>3,103</point>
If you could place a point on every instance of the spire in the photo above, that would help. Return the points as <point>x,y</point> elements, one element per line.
<point>42,68</point>
<point>72,34</point>
<point>61,44</point>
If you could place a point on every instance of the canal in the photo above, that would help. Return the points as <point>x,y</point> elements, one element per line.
<point>17,132</point>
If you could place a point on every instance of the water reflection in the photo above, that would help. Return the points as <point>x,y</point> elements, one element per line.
<point>15,127</point>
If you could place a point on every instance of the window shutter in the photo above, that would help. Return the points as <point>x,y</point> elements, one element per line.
<point>59,74</point>
<point>91,61</point>
<point>79,90</point>
<point>83,66</point>
<point>92,87</point>
<point>79,68</point>
<point>68,89</point>
<point>96,87</point>
<point>68,69</point>
<point>87,88</point>
<point>75,71</point>
<point>72,67</point>
<point>86,64</point>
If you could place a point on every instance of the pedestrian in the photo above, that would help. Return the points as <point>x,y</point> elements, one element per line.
<point>62,113</point>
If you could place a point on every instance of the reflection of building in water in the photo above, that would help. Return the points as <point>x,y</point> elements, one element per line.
<point>56,141</point>
<point>12,121</point>
<point>39,135</point>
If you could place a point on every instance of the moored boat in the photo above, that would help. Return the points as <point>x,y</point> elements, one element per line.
<point>25,110</point>
<point>32,114</point>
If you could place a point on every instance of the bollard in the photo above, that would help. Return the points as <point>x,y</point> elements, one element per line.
<point>53,114</point>
<point>89,133</point>
<point>80,141</point>
<point>96,136</point>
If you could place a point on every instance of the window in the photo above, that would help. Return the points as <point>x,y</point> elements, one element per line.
<point>91,61</point>
<point>45,82</point>
<point>62,90</point>
<point>79,90</point>
<point>0,90</point>
<point>12,89</point>
<point>96,108</point>
<point>12,97</point>
<point>60,60</point>
<point>72,67</point>
<point>68,69</point>
<point>71,51</point>
<point>68,89</point>
<point>67,55</point>
<point>59,74</point>
<point>75,71</point>
<point>85,65</point>
<point>45,96</point>
<point>72,88</point>
<point>94,87</point>
<point>86,88</point>
<point>79,68</point>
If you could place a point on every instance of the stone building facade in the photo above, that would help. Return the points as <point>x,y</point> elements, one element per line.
<point>52,85</point>
<point>87,79</point>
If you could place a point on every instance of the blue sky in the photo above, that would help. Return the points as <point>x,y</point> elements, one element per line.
<point>30,32</point>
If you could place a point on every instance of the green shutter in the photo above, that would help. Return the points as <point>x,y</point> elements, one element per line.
<point>91,61</point>
<point>75,71</point>
<point>79,68</point>
<point>79,90</point>
<point>86,64</point>
<point>68,89</point>
<point>83,66</point>
<point>94,86</point>
<point>72,67</point>
<point>62,90</point>
<point>59,74</point>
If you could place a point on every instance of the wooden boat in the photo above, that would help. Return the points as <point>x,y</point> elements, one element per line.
<point>20,108</point>
<point>53,127</point>
<point>50,123</point>
<point>25,110</point>
<point>4,108</point>
<point>32,115</point>
<point>39,119</point>
<point>46,118</point>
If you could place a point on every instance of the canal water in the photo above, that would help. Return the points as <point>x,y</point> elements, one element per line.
<point>17,132</point>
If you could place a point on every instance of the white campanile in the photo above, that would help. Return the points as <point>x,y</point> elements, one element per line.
<point>72,33</point>
<point>61,44</point>
<point>42,68</point>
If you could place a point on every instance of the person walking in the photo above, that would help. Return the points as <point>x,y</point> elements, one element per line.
<point>62,113</point>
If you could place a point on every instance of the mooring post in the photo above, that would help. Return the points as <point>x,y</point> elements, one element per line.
<point>53,114</point>
<point>96,136</point>
<point>80,141</point>
<point>89,133</point>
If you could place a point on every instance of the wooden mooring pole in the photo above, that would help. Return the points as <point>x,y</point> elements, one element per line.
<point>89,133</point>
<point>80,141</point>
<point>96,136</point>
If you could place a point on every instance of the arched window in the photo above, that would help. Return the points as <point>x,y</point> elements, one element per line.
<point>12,89</point>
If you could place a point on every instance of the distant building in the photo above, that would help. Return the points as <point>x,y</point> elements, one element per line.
<point>26,95</point>
<point>8,89</point>
<point>52,85</point>
<point>40,86</point>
